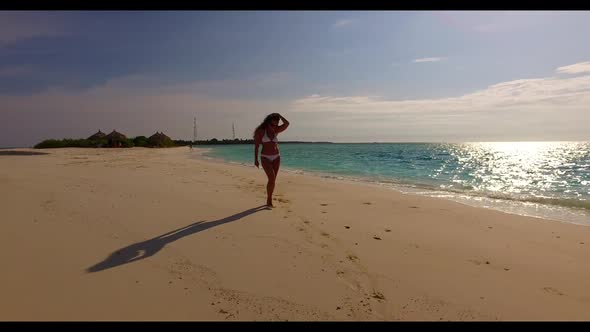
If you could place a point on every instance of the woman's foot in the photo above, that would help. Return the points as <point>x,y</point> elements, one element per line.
<point>269,203</point>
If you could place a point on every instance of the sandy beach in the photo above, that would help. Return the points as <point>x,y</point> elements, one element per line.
<point>157,234</point>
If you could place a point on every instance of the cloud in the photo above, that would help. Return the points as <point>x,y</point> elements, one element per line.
<point>343,23</point>
<point>513,21</point>
<point>498,21</point>
<point>578,68</point>
<point>434,59</point>
<point>538,108</point>
<point>17,26</point>
<point>526,93</point>
<point>248,87</point>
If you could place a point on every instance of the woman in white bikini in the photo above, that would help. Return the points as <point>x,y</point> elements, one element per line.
<point>270,158</point>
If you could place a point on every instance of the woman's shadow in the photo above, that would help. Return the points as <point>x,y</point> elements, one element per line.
<point>150,247</point>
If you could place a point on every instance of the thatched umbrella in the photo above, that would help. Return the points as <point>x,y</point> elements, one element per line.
<point>98,135</point>
<point>160,140</point>
<point>116,139</point>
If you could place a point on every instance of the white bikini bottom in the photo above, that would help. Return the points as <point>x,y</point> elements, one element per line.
<point>270,157</point>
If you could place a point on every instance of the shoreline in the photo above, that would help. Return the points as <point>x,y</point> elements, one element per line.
<point>544,211</point>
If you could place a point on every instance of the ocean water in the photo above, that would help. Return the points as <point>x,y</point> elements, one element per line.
<point>549,180</point>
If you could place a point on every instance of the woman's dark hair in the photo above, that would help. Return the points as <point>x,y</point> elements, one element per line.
<point>267,121</point>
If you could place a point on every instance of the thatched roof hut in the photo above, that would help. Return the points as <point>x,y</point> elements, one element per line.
<point>116,139</point>
<point>98,135</point>
<point>160,140</point>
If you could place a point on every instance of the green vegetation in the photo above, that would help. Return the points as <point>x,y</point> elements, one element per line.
<point>79,143</point>
<point>69,143</point>
<point>141,141</point>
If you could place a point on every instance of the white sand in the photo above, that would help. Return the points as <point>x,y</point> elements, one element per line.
<point>314,257</point>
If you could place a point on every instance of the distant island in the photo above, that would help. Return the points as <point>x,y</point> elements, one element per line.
<point>157,140</point>
<point>215,141</point>
<point>112,140</point>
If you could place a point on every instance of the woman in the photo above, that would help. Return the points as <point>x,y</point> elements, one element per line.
<point>270,158</point>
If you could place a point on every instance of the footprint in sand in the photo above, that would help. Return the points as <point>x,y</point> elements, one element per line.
<point>414,207</point>
<point>367,203</point>
<point>347,227</point>
<point>324,212</point>
<point>352,258</point>
<point>476,262</point>
<point>377,295</point>
<point>376,238</point>
<point>324,204</point>
<point>388,230</point>
<point>553,291</point>
<point>325,234</point>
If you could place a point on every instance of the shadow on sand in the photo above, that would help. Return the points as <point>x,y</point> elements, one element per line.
<point>150,247</point>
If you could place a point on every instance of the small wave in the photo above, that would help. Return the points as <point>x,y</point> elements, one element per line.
<point>468,190</point>
<point>569,203</point>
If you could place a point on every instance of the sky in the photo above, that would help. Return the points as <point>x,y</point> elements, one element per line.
<point>341,76</point>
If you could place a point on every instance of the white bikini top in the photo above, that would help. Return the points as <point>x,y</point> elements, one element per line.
<point>265,138</point>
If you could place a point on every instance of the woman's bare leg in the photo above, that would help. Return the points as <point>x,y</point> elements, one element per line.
<point>276,164</point>
<point>270,173</point>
